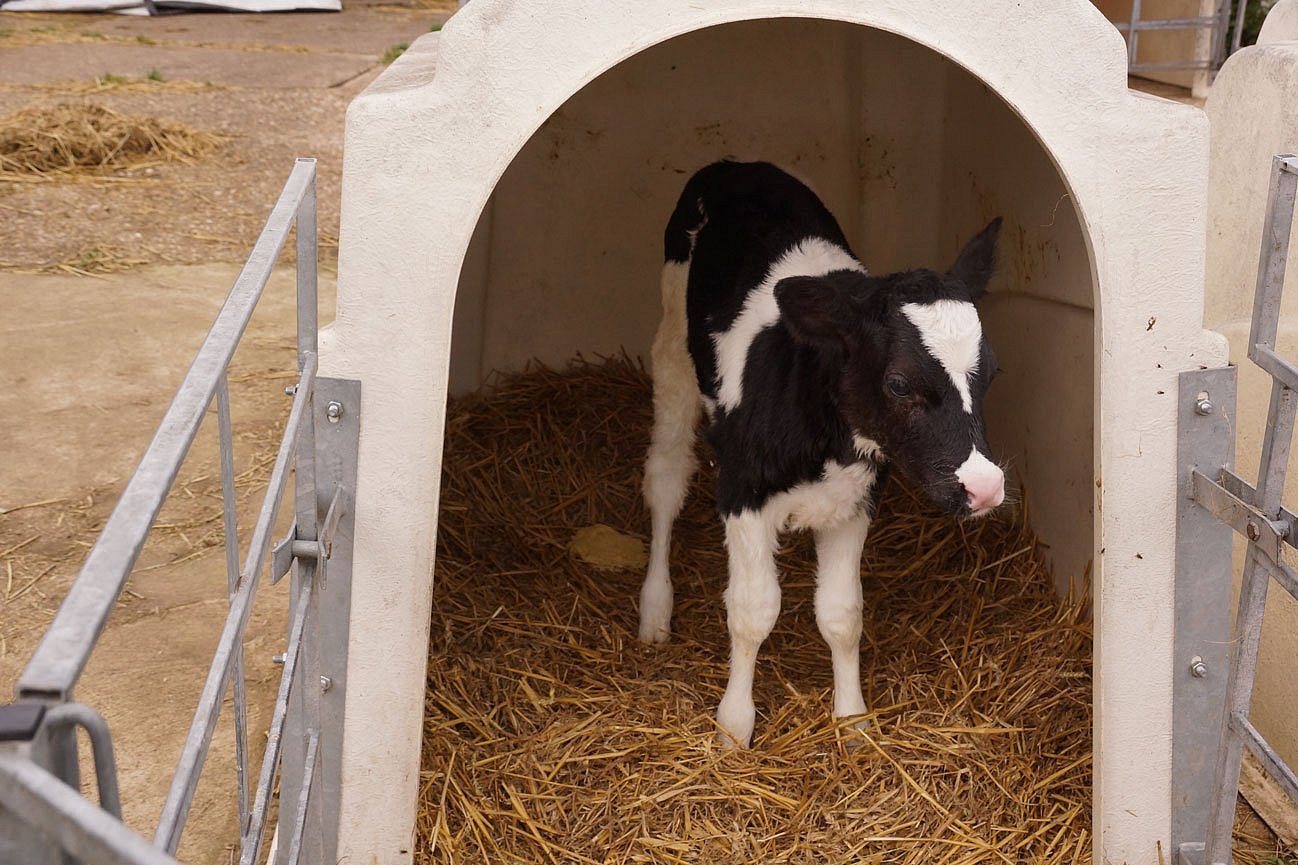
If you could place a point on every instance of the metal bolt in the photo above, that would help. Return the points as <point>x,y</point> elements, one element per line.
<point>277,659</point>
<point>1203,406</point>
<point>1252,531</point>
<point>291,390</point>
<point>1198,668</point>
<point>325,684</point>
<point>334,411</point>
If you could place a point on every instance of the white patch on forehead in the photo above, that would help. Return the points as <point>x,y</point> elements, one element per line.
<point>952,333</point>
<point>813,256</point>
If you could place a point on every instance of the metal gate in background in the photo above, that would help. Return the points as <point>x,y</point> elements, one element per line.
<point>1215,668</point>
<point>1218,26</point>
<point>44,819</point>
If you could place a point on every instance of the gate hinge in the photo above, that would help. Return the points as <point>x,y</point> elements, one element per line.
<point>316,550</point>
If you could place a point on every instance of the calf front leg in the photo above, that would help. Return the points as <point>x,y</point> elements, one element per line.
<point>752,606</point>
<point>838,607</point>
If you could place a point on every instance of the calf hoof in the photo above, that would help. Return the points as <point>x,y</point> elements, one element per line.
<point>654,633</point>
<point>736,719</point>
<point>852,730</point>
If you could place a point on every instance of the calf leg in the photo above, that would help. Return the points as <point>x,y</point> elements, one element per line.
<point>838,607</point>
<point>752,605</point>
<point>670,462</point>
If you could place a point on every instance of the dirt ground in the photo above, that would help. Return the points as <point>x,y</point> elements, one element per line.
<point>107,285</point>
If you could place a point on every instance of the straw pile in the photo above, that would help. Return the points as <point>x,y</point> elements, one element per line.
<point>553,736</point>
<point>71,137</point>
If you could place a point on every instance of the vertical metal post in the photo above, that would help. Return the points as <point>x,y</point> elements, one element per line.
<point>304,701</point>
<point>1202,598</point>
<point>1133,32</point>
<point>231,527</point>
<point>337,412</point>
<point>1239,26</point>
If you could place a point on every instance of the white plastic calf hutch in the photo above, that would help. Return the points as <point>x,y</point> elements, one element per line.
<point>506,183</point>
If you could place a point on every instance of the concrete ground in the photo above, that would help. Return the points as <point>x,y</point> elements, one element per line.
<point>107,285</point>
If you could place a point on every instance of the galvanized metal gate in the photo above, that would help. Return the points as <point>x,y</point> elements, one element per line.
<point>44,820</point>
<point>1218,26</point>
<point>1216,668</point>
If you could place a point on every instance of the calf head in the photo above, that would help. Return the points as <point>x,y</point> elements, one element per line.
<point>912,367</point>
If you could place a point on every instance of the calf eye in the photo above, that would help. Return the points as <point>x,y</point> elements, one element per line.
<point>898,386</point>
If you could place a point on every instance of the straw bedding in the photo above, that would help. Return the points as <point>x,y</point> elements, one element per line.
<point>552,735</point>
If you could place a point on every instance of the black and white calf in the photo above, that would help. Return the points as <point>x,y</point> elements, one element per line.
<point>815,377</point>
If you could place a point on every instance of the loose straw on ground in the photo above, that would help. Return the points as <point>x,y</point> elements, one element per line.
<point>45,140</point>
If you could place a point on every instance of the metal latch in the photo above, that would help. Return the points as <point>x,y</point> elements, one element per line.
<point>317,550</point>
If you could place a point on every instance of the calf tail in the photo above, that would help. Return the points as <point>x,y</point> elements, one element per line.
<point>689,216</point>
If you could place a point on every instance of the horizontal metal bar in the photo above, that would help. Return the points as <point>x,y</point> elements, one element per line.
<point>1157,67</point>
<point>250,853</point>
<point>58,661</point>
<point>1277,366</point>
<point>73,822</point>
<point>1237,486</point>
<point>1239,514</point>
<point>1266,755</point>
<point>1287,577</point>
<point>185,781</point>
<point>1169,24</point>
<point>304,799</point>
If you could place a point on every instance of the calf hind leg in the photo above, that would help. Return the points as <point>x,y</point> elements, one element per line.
<point>752,605</point>
<point>670,462</point>
<point>839,605</point>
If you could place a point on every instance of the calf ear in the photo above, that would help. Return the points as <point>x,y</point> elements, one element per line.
<point>975,263</point>
<point>814,309</point>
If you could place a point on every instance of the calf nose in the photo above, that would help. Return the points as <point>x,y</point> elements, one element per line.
<point>983,482</point>
<point>985,493</point>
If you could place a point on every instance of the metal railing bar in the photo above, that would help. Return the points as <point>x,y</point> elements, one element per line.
<point>1243,490</point>
<point>76,824</point>
<point>1239,688</point>
<point>304,799</point>
<point>1287,577</point>
<point>1238,38</point>
<point>61,656</point>
<point>1237,508</point>
<point>1220,33</point>
<point>1133,32</point>
<point>232,584</point>
<point>185,781</point>
<point>101,748</point>
<point>1266,755</point>
<point>251,848</point>
<point>1155,67</point>
<point>1276,365</point>
<point>308,314</point>
<point>1198,23</point>
<point>1273,258</point>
